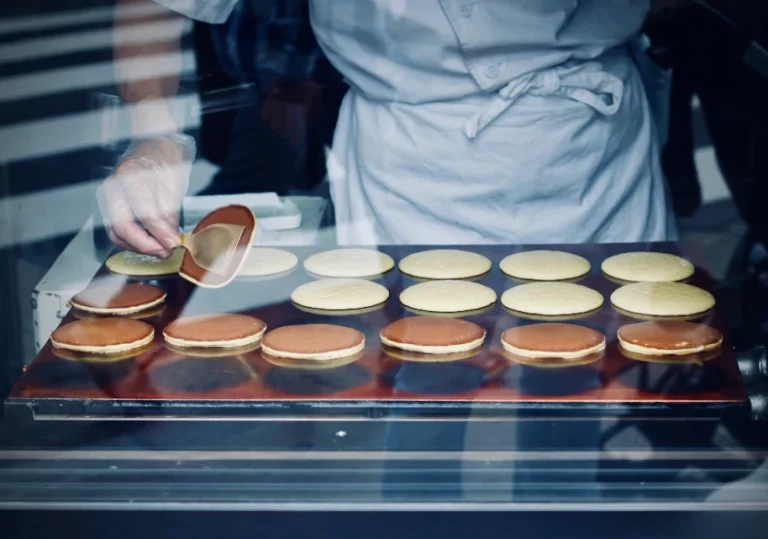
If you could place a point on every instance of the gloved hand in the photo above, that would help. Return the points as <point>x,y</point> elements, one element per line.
<point>140,201</point>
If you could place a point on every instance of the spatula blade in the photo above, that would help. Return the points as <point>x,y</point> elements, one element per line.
<point>214,247</point>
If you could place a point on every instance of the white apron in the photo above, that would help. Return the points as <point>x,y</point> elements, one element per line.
<point>488,121</point>
<point>496,121</point>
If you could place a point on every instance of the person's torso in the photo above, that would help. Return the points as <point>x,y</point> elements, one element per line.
<point>416,51</point>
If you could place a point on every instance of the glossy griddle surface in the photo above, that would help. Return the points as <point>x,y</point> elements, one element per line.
<point>488,379</point>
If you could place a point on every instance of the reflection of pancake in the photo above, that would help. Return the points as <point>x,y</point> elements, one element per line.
<point>403,355</point>
<point>669,337</point>
<point>318,342</point>
<point>79,374</point>
<point>622,282</point>
<point>468,279</point>
<point>575,280</point>
<point>215,331</point>
<point>303,381</point>
<point>554,363</point>
<point>85,357</point>
<point>672,377</point>
<point>647,267</point>
<point>552,299</point>
<point>552,340</point>
<point>696,358</point>
<point>544,265</point>
<point>141,315</point>
<point>213,352</point>
<point>348,312</point>
<point>433,378</point>
<point>349,263</point>
<point>553,318</point>
<point>118,298</point>
<point>310,364</point>
<point>445,264</point>
<point>103,335</point>
<point>638,316</point>
<point>447,296</point>
<point>552,380</point>
<point>662,299</point>
<point>432,335</point>
<point>460,314</point>
<point>199,374</point>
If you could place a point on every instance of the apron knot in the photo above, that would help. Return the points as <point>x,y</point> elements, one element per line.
<point>599,90</point>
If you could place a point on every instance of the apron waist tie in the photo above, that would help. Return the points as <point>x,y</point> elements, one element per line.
<point>597,89</point>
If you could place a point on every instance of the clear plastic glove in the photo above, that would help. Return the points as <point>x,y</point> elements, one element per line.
<point>140,201</point>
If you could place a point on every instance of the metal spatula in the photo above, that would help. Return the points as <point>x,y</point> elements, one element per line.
<point>213,247</point>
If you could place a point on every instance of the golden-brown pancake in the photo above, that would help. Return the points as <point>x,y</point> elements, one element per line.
<point>432,335</point>
<point>228,215</point>
<point>552,340</point>
<point>669,337</point>
<point>319,342</point>
<point>118,298</point>
<point>214,331</point>
<point>103,335</point>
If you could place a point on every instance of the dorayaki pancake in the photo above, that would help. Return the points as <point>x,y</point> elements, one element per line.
<point>552,340</point>
<point>349,263</point>
<point>118,298</point>
<point>340,294</point>
<point>228,215</point>
<point>544,266</point>
<point>320,342</point>
<point>447,296</point>
<point>445,264</point>
<point>669,337</point>
<point>662,299</point>
<point>139,265</point>
<point>103,335</point>
<point>432,335</point>
<point>647,267</point>
<point>551,299</point>
<point>265,261</point>
<point>214,331</point>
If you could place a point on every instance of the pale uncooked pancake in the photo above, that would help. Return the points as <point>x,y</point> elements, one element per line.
<point>432,335</point>
<point>340,294</point>
<point>319,342</point>
<point>552,340</point>
<point>652,267</point>
<point>138,265</point>
<point>551,299</point>
<point>662,299</point>
<point>544,266</point>
<point>118,298</point>
<point>445,264</point>
<point>103,335</point>
<point>214,331</point>
<point>669,337</point>
<point>447,296</point>
<point>349,263</point>
<point>265,261</point>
